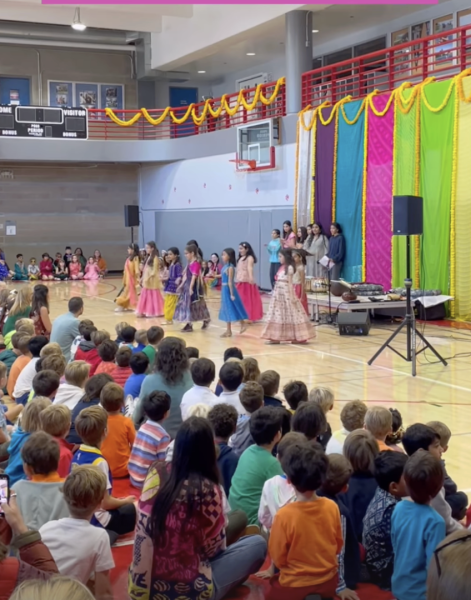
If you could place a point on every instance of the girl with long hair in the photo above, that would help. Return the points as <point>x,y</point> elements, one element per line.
<point>127,299</point>
<point>40,310</point>
<point>191,305</point>
<point>92,270</point>
<point>213,279</point>
<point>301,237</point>
<point>75,268</point>
<point>180,543</point>
<point>151,303</point>
<point>316,246</point>
<point>81,258</point>
<point>336,251</point>
<point>21,309</point>
<point>286,319</point>
<point>101,262</point>
<point>175,273</point>
<point>246,285</point>
<point>273,248</point>
<point>199,252</point>
<point>299,277</point>
<point>232,308</point>
<point>289,237</point>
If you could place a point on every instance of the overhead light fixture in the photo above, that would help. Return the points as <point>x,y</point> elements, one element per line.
<point>250,53</point>
<point>201,71</point>
<point>315,31</point>
<point>77,23</point>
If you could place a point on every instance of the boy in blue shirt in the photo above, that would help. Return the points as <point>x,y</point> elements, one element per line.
<point>416,528</point>
<point>139,364</point>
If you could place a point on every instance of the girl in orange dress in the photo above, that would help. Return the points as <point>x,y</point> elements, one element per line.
<point>127,299</point>
<point>101,262</point>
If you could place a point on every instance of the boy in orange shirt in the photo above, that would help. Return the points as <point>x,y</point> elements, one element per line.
<point>378,421</point>
<point>56,420</point>
<point>121,433</point>
<point>306,536</point>
<point>21,343</point>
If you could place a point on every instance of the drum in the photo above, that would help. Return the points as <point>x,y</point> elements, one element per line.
<point>319,285</point>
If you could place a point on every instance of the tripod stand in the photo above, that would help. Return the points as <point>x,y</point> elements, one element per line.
<point>411,330</point>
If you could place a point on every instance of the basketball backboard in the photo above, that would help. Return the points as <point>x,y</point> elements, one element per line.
<point>256,142</point>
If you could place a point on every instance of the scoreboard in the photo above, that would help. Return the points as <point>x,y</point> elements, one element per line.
<point>43,122</point>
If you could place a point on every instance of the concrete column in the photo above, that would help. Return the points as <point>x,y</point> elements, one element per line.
<point>298,54</point>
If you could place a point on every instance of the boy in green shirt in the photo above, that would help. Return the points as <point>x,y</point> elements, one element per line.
<point>257,464</point>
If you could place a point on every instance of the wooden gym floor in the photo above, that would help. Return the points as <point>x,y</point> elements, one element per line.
<point>436,393</point>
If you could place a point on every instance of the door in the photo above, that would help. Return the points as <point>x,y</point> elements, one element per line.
<point>14,90</point>
<point>183,97</point>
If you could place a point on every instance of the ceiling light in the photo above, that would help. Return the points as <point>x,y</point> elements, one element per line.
<point>77,23</point>
<point>201,71</point>
<point>250,53</point>
<point>315,31</point>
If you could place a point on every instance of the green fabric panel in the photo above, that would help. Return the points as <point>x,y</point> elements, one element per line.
<point>436,157</point>
<point>404,183</point>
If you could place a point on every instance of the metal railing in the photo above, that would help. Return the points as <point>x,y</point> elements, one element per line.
<point>441,55</point>
<point>101,127</point>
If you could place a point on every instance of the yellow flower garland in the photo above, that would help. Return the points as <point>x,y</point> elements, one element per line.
<point>365,181</point>
<point>296,180</point>
<point>313,164</point>
<point>417,182</point>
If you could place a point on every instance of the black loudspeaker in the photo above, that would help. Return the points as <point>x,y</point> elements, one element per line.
<point>408,215</point>
<point>354,323</point>
<point>131,215</point>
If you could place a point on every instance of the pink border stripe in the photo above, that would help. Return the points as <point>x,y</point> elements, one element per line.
<point>144,2</point>
<point>379,193</point>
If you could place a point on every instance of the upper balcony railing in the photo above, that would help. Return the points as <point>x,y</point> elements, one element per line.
<point>441,55</point>
<point>102,127</point>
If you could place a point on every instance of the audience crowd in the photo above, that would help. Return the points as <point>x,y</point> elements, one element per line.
<point>243,480</point>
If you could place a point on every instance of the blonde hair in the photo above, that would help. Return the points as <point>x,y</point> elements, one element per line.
<point>56,419</point>
<point>455,565</point>
<point>141,337</point>
<point>22,301</point>
<point>84,490</point>
<point>51,348</point>
<point>251,369</point>
<point>91,423</point>
<point>361,449</point>
<point>442,430</point>
<point>54,362</point>
<point>120,326</point>
<point>57,587</point>
<point>199,410</point>
<point>378,421</point>
<point>25,326</point>
<point>323,396</point>
<point>77,372</point>
<point>30,419</point>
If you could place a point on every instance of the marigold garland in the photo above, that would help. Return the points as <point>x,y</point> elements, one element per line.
<point>313,165</point>
<point>417,182</point>
<point>296,179</point>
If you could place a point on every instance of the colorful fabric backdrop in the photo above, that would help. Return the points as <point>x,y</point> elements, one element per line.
<point>415,140</point>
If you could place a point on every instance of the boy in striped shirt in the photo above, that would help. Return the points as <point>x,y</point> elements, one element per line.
<point>151,440</point>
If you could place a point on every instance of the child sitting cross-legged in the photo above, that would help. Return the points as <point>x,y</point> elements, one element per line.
<point>389,473</point>
<point>416,528</point>
<point>107,352</point>
<point>295,392</point>
<point>55,420</point>
<point>305,567</point>
<point>117,516</point>
<point>203,373</point>
<point>155,335</point>
<point>378,421</point>
<point>81,551</point>
<point>352,417</point>
<point>324,397</point>
<point>88,349</point>
<point>140,341</point>
<point>39,498</point>
<point>122,370</point>
<point>223,420</point>
<point>139,364</point>
<point>251,398</point>
<point>151,439</point>
<point>270,382</point>
<point>116,447</point>
<point>309,419</point>
<point>231,376</point>
<point>257,464</point>
<point>71,391</point>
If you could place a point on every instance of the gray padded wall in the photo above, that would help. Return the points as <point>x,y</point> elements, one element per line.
<point>215,230</point>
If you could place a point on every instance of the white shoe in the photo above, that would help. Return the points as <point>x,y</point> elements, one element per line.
<point>119,309</point>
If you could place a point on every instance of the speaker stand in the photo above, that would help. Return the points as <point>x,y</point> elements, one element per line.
<point>411,330</point>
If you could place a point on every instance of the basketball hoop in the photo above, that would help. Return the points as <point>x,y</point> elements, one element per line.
<point>244,165</point>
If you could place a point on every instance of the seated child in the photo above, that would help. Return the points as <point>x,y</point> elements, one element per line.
<point>324,397</point>
<point>33,270</point>
<point>107,351</point>
<point>45,384</point>
<point>55,420</point>
<point>352,418</point>
<point>229,353</point>
<point>21,270</point>
<point>378,421</point>
<point>71,392</point>
<point>122,370</point>
<point>421,437</point>
<point>192,353</point>
<point>140,340</point>
<point>29,424</point>
<point>154,336</point>
<point>20,363</point>
<point>295,392</point>
<point>270,382</point>
<point>416,528</point>
<point>117,516</point>
<point>81,551</point>
<point>360,449</point>
<point>251,399</point>
<point>119,328</point>
<point>223,420</point>
<point>40,498</point>
<point>151,439</point>
<point>257,464</point>
<point>139,364</point>
<point>88,348</point>
<point>128,334</point>
<point>116,448</point>
<point>9,357</point>
<point>203,373</point>
<point>395,437</point>
<point>25,326</point>
<point>24,383</point>
<point>334,487</point>
<point>310,420</point>
<point>458,501</point>
<point>251,369</point>
<point>231,375</point>
<point>389,471</point>
<point>305,567</point>
<point>46,268</point>
<point>82,327</point>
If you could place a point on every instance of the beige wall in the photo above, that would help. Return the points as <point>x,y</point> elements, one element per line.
<point>58,205</point>
<point>62,64</point>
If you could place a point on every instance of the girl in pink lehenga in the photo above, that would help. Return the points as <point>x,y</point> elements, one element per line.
<point>92,270</point>
<point>151,303</point>
<point>246,286</point>
<point>286,320</point>
<point>299,278</point>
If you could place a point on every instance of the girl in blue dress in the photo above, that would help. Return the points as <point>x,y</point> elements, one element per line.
<point>232,308</point>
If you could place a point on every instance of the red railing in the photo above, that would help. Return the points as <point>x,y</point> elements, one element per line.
<point>441,55</point>
<point>102,128</point>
